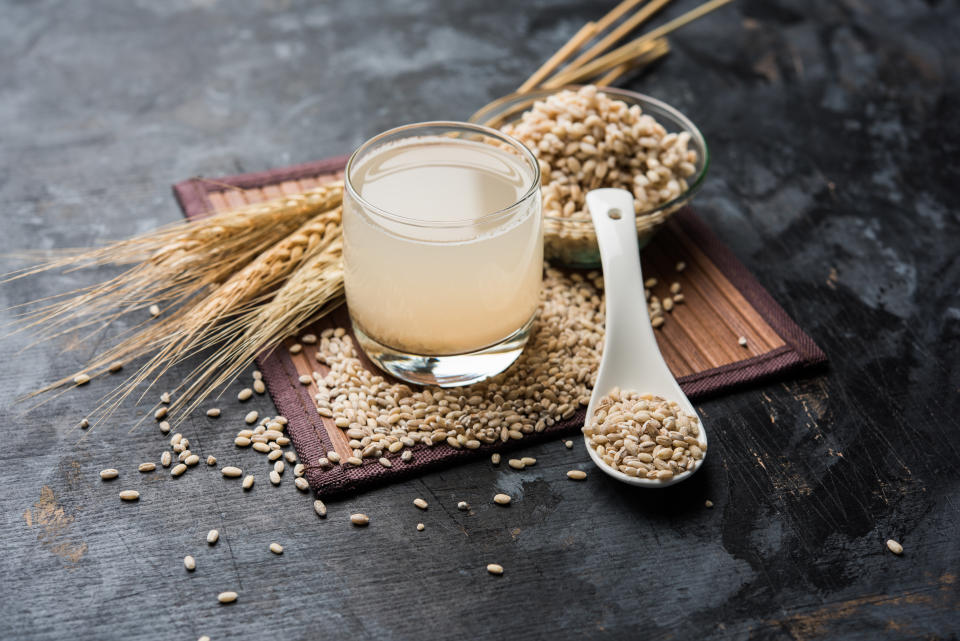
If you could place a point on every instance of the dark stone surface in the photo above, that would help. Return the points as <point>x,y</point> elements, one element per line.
<point>834,134</point>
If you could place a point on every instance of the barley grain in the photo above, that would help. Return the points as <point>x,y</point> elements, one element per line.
<point>320,508</point>
<point>742,341</point>
<point>248,481</point>
<point>273,454</point>
<point>630,431</point>
<point>178,469</point>
<point>129,495</point>
<point>420,527</point>
<point>165,398</point>
<point>680,266</point>
<point>302,484</point>
<point>495,568</point>
<point>115,366</point>
<point>576,475</point>
<point>227,597</point>
<point>164,427</point>
<point>211,460</point>
<point>568,329</point>
<point>568,444</point>
<point>146,467</point>
<point>160,413</point>
<point>190,563</point>
<point>528,461</point>
<point>165,459</point>
<point>154,310</point>
<point>213,536</point>
<point>251,417</point>
<point>360,519</point>
<point>290,456</point>
<point>244,394</point>
<point>191,460</point>
<point>516,463</point>
<point>420,503</point>
<point>276,548</point>
<point>305,379</point>
<point>296,348</point>
<point>84,423</point>
<point>463,506</point>
<point>894,547</point>
<point>708,504</point>
<point>308,339</point>
<point>298,469</point>
<point>261,447</point>
<point>333,457</point>
<point>501,499</point>
<point>495,458</point>
<point>109,473</point>
<point>274,477</point>
<point>231,472</point>
<point>213,412</point>
<point>259,387</point>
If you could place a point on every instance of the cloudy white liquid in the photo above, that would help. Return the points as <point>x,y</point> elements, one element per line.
<point>436,270</point>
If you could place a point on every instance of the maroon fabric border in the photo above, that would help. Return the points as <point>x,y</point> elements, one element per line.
<point>308,430</point>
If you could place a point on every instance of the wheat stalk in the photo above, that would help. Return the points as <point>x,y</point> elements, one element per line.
<point>171,265</point>
<point>309,293</point>
<point>251,250</point>
<point>195,327</point>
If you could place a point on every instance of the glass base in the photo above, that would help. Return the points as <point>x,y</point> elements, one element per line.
<point>445,371</point>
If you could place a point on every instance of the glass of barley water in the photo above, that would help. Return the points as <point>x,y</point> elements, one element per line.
<point>443,250</point>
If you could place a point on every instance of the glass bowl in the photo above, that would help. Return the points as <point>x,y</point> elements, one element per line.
<point>572,241</point>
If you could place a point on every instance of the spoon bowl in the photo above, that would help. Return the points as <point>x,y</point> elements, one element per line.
<point>631,358</point>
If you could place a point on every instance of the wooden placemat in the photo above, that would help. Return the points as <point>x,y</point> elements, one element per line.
<point>699,341</point>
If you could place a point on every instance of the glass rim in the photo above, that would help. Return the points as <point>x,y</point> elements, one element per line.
<point>532,191</point>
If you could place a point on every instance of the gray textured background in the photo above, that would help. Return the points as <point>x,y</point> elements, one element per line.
<point>834,135</point>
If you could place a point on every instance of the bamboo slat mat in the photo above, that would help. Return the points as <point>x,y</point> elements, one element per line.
<point>699,340</point>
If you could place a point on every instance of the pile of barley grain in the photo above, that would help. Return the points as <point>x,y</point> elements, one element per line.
<point>550,380</point>
<point>585,140</point>
<point>644,435</point>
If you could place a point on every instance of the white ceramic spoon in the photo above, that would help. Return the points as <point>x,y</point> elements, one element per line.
<point>631,359</point>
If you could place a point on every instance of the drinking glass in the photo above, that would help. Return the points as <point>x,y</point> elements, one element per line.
<point>443,250</point>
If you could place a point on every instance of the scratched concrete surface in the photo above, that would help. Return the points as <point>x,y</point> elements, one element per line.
<point>834,137</point>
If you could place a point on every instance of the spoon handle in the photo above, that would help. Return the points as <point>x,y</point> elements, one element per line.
<point>627,320</point>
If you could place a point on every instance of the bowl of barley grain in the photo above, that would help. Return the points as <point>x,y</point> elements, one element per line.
<point>589,137</point>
